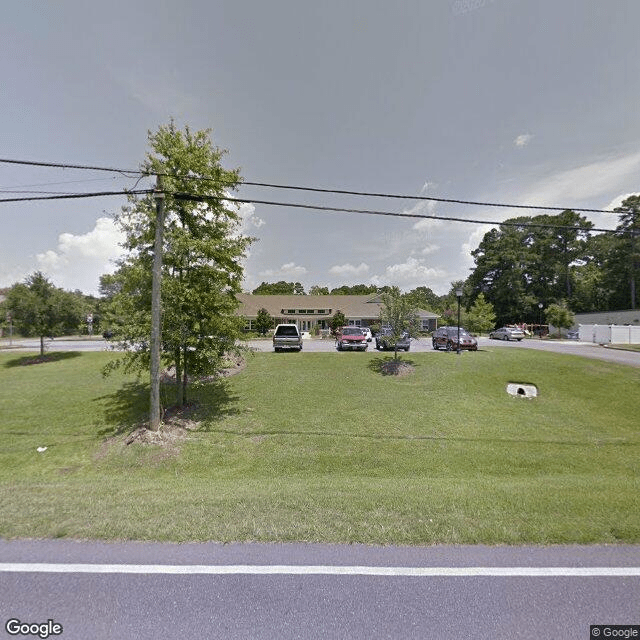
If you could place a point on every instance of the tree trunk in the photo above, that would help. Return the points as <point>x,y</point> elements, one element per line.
<point>178,358</point>
<point>41,346</point>
<point>184,376</point>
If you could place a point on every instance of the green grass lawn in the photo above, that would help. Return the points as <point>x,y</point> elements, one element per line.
<point>322,447</point>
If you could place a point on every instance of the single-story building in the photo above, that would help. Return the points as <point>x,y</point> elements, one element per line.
<point>309,312</point>
<point>628,316</point>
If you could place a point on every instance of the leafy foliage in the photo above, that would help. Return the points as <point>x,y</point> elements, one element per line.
<point>264,321</point>
<point>480,316</point>
<point>280,288</point>
<point>38,308</point>
<point>559,315</point>
<point>399,315</point>
<point>202,260</point>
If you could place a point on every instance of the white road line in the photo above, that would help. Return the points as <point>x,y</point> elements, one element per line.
<point>240,569</point>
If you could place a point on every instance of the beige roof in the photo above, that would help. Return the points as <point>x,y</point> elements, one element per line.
<point>352,306</point>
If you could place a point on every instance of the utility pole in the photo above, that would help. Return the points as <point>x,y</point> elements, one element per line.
<point>156,309</point>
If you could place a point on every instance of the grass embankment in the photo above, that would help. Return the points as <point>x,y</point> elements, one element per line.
<point>321,447</point>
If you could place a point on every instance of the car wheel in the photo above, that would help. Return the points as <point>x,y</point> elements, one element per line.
<point>434,344</point>
<point>407,349</point>
<point>449,346</point>
<point>505,338</point>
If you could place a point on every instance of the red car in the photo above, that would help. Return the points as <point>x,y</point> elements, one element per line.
<point>351,338</point>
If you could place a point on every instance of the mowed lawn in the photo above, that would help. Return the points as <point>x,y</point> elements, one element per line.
<point>322,447</point>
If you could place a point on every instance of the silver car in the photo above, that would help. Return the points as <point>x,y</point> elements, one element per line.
<point>507,333</point>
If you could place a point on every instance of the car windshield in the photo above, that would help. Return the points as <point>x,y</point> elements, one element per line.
<point>351,332</point>
<point>291,330</point>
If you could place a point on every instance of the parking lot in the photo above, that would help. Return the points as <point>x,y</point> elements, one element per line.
<point>421,345</point>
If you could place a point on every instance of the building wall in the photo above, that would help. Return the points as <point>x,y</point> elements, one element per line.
<point>609,317</point>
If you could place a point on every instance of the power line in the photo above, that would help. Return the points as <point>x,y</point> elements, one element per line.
<point>71,196</point>
<point>425,198</point>
<point>295,205</point>
<point>193,198</point>
<point>60,165</point>
<point>309,189</point>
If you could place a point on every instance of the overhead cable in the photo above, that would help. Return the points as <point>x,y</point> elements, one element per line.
<point>198,198</point>
<point>309,189</point>
<point>71,196</point>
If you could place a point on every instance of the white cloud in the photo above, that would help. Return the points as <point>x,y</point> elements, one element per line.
<point>428,249</point>
<point>588,181</point>
<point>466,259</point>
<point>290,269</point>
<point>349,270</point>
<point>248,218</point>
<point>618,200</point>
<point>79,260</point>
<point>411,274</point>
<point>523,140</point>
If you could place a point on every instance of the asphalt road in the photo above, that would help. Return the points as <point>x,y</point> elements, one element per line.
<point>135,590</point>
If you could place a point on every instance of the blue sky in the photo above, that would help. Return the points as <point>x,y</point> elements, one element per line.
<point>520,101</point>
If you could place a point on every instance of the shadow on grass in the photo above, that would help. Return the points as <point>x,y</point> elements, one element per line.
<point>214,403</point>
<point>124,408</point>
<point>390,366</point>
<point>128,407</point>
<point>58,356</point>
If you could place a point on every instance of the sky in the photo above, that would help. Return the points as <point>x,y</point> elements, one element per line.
<point>514,101</point>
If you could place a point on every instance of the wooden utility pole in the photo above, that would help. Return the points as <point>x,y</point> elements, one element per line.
<point>156,309</point>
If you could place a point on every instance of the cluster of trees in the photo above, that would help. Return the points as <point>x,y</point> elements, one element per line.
<point>297,289</point>
<point>531,263</point>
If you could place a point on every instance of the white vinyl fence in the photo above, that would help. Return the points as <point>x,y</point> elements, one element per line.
<point>610,333</point>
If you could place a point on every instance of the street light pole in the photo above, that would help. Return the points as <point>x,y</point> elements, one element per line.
<point>459,295</point>
<point>540,305</point>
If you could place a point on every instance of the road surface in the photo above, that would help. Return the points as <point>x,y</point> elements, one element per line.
<point>151,590</point>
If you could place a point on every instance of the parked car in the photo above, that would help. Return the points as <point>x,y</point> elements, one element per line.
<point>447,338</point>
<point>384,341</point>
<point>573,334</point>
<point>507,333</point>
<point>351,338</point>
<point>287,336</point>
<point>367,333</point>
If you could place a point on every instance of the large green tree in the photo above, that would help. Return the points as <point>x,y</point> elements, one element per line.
<point>202,260</point>
<point>38,308</point>
<point>528,260</point>
<point>629,248</point>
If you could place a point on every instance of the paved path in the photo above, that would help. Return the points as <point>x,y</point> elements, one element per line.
<point>277,591</point>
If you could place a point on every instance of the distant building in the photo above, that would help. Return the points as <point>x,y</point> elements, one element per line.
<point>630,316</point>
<point>309,312</point>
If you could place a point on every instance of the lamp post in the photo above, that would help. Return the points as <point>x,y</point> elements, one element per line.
<point>459,295</point>
<point>540,305</point>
